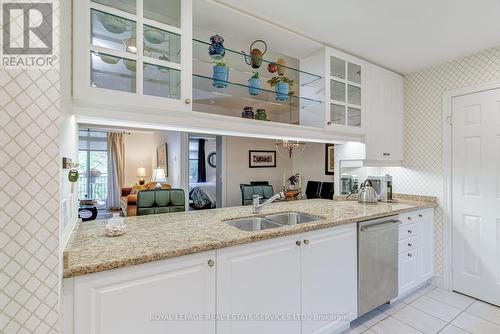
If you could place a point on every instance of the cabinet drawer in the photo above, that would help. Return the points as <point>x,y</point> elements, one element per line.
<point>407,231</point>
<point>411,217</point>
<point>407,244</point>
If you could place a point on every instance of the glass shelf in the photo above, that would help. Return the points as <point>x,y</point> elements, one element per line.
<point>236,60</point>
<point>236,90</point>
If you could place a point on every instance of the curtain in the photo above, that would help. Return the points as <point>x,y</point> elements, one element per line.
<point>202,167</point>
<point>116,169</point>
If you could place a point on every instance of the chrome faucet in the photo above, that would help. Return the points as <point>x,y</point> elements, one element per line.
<point>256,203</point>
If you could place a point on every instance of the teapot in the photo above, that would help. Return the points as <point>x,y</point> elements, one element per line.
<point>255,58</point>
<point>367,194</point>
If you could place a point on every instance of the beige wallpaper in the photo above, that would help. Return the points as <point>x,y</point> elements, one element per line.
<point>422,172</point>
<point>29,202</point>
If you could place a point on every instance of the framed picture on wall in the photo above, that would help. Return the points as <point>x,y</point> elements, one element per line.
<point>329,159</point>
<point>261,159</point>
<point>162,158</point>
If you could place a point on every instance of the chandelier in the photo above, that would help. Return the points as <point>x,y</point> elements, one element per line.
<point>290,148</point>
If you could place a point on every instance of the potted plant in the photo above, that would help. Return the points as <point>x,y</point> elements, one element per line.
<point>254,84</point>
<point>221,74</point>
<point>282,86</point>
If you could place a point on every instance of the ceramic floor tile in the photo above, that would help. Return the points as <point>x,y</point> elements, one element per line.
<point>391,308</point>
<point>422,321</point>
<point>411,297</point>
<point>371,318</point>
<point>436,308</point>
<point>426,289</point>
<point>485,311</point>
<point>451,298</point>
<point>450,329</point>
<point>391,325</point>
<point>475,325</point>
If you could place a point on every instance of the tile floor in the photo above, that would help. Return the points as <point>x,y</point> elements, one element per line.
<point>430,310</point>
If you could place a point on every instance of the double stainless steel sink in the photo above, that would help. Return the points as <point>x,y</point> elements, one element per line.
<point>272,221</point>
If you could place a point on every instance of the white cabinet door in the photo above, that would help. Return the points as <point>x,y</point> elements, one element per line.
<point>344,92</point>
<point>408,272</point>
<point>426,244</point>
<point>384,113</point>
<point>133,53</point>
<point>145,298</point>
<point>259,279</point>
<point>329,278</point>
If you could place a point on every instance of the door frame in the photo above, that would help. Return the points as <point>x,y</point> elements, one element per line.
<point>447,200</point>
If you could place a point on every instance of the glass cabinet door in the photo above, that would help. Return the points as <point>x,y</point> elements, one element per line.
<point>134,46</point>
<point>345,93</point>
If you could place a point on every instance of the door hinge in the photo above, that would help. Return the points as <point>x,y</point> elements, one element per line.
<point>449,120</point>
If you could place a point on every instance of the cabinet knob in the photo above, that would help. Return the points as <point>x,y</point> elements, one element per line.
<point>410,231</point>
<point>420,216</point>
<point>298,242</point>
<point>306,242</point>
<point>187,101</point>
<point>410,255</point>
<point>409,218</point>
<point>211,263</point>
<point>409,244</point>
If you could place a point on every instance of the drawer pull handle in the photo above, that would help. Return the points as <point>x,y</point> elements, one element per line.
<point>298,242</point>
<point>420,216</point>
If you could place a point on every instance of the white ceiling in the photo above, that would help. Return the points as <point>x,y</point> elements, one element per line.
<point>402,35</point>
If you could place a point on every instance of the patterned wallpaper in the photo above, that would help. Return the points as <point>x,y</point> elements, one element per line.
<point>29,202</point>
<point>422,167</point>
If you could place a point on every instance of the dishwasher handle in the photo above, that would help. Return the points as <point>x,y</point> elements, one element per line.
<point>382,226</point>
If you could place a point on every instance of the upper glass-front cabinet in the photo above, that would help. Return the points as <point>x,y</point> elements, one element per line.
<point>345,108</point>
<point>134,52</point>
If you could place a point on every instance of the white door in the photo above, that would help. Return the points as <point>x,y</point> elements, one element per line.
<point>157,297</point>
<point>476,195</point>
<point>259,284</point>
<point>329,278</point>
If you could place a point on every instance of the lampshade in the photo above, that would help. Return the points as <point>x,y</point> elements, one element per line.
<point>141,172</point>
<point>158,176</point>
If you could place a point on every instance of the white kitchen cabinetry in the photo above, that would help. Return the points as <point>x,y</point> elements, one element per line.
<point>146,298</point>
<point>416,249</point>
<point>261,278</point>
<point>329,280</point>
<point>305,283</point>
<point>311,274</point>
<point>384,113</point>
<point>133,53</point>
<point>342,89</point>
<point>345,89</point>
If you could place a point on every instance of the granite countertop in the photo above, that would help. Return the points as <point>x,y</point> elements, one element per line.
<point>157,237</point>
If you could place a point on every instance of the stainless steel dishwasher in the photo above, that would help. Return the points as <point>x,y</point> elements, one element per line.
<point>377,262</point>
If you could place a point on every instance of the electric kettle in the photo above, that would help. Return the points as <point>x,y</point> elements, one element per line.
<point>367,194</point>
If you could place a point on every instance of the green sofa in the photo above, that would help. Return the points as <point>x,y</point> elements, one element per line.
<point>247,192</point>
<point>155,201</point>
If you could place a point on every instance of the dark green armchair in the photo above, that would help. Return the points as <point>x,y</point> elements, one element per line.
<point>247,192</point>
<point>155,201</point>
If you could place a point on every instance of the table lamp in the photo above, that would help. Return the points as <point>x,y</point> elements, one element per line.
<point>158,177</point>
<point>141,174</point>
